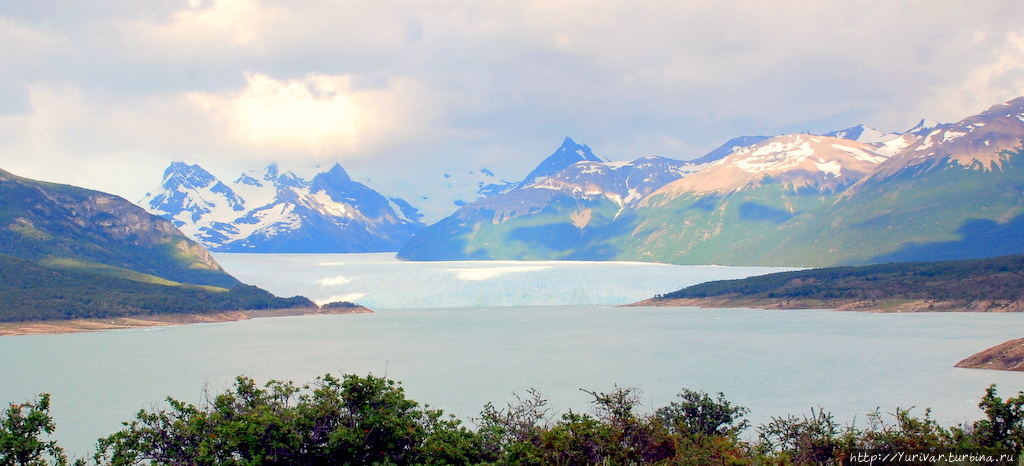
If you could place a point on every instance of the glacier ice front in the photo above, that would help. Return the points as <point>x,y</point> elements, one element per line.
<point>380,281</point>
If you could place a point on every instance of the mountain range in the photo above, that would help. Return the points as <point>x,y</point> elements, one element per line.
<point>270,211</point>
<point>856,196</point>
<point>851,196</point>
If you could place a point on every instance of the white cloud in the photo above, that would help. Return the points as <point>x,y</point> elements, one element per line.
<point>997,77</point>
<point>317,113</point>
<point>393,88</point>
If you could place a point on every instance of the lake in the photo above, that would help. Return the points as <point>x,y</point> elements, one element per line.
<point>459,356</point>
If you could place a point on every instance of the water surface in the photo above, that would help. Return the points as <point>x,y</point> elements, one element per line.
<point>483,331</point>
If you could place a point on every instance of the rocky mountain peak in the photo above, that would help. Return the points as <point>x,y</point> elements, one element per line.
<point>568,153</point>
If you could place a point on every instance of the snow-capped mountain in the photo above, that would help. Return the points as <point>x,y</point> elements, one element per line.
<point>571,194</point>
<point>270,211</point>
<point>798,162</point>
<point>862,133</point>
<point>979,142</point>
<point>923,127</point>
<point>729,147</point>
<point>567,154</point>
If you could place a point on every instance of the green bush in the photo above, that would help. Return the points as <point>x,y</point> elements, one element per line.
<point>368,421</point>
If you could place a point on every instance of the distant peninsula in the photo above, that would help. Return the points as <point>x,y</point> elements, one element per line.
<point>974,285</point>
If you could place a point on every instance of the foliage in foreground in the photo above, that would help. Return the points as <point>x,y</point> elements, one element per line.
<point>369,421</point>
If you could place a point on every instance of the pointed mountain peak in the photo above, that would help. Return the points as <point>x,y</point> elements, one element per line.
<point>177,166</point>
<point>571,149</point>
<point>335,179</point>
<point>183,174</point>
<point>922,128</point>
<point>337,172</point>
<point>568,153</point>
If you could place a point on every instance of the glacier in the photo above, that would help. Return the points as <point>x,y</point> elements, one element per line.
<point>381,281</point>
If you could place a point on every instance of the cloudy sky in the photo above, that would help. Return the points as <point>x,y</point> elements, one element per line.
<point>106,93</point>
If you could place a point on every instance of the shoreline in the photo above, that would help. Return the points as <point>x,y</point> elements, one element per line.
<point>876,306</point>
<point>56,327</point>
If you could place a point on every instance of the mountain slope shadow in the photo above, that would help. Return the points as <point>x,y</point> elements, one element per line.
<point>980,238</point>
<point>751,210</point>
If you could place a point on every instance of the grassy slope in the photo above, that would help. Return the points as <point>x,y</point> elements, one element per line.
<point>946,214</point>
<point>734,229</point>
<point>45,221</point>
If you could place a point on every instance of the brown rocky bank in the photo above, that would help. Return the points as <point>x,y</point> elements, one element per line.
<point>1008,356</point>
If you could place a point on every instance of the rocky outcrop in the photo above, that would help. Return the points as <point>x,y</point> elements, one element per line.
<point>1008,356</point>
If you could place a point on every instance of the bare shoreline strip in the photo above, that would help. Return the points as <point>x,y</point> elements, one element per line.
<point>919,305</point>
<point>50,327</point>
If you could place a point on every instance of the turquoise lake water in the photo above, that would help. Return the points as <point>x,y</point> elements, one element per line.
<point>459,358</point>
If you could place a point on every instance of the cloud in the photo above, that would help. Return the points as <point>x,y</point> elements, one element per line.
<point>400,88</point>
<point>317,113</point>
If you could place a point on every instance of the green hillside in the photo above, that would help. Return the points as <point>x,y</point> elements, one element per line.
<point>70,253</point>
<point>30,291</point>
<point>40,221</point>
<point>736,229</point>
<point>942,213</point>
<point>964,283</point>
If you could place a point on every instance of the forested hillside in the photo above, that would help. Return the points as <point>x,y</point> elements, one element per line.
<point>974,284</point>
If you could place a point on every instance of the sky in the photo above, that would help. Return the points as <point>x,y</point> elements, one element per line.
<point>105,94</point>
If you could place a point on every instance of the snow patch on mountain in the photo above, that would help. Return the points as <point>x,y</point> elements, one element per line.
<point>799,161</point>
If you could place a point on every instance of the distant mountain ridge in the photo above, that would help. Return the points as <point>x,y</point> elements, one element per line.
<point>935,192</point>
<point>571,195</point>
<point>270,211</point>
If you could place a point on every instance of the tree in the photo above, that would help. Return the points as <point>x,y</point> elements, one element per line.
<point>350,421</point>
<point>1003,426</point>
<point>698,413</point>
<point>20,431</point>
